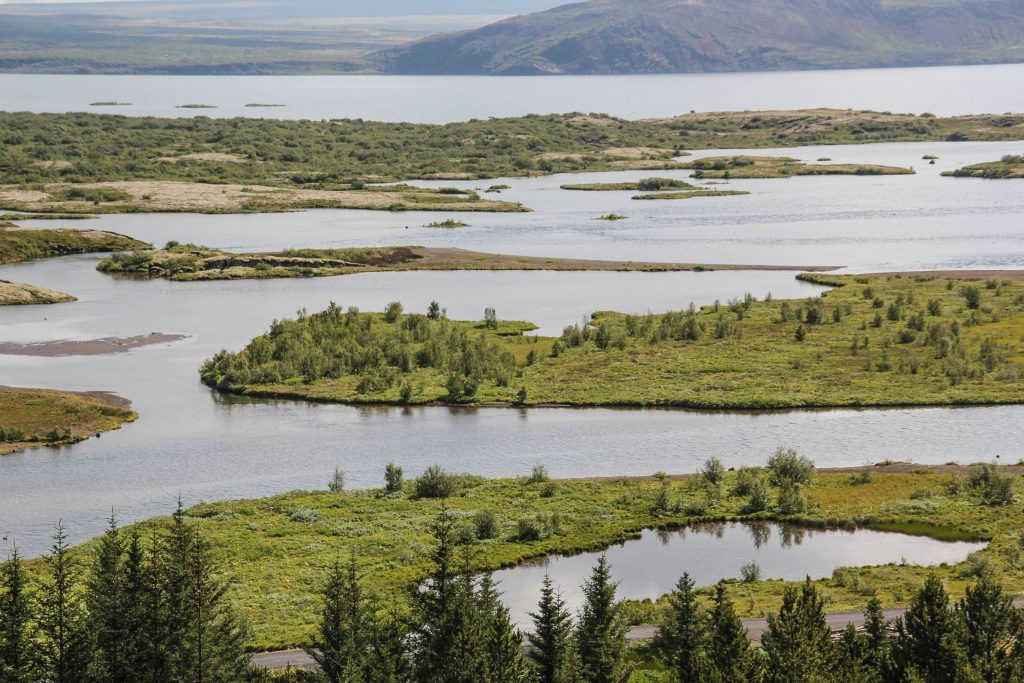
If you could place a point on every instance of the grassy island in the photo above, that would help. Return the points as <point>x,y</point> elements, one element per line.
<point>781,167</point>
<point>691,194</point>
<point>22,244</point>
<point>644,185</point>
<point>16,293</point>
<point>871,341</point>
<point>277,551</point>
<point>40,417</point>
<point>184,262</point>
<point>143,196</point>
<point>1010,166</point>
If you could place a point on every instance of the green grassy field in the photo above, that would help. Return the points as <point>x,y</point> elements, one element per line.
<point>870,341</point>
<point>36,417</point>
<point>276,551</point>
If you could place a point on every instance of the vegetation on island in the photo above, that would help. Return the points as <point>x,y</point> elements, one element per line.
<point>870,341</point>
<point>781,167</point>
<point>183,262</point>
<point>17,293</point>
<point>611,217</point>
<point>299,536</point>
<point>1010,166</point>
<point>22,244</point>
<point>143,196</point>
<point>691,194</point>
<point>41,417</point>
<point>447,223</point>
<point>44,150</point>
<point>643,185</point>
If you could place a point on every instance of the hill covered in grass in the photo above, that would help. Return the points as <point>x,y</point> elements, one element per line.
<point>669,36</point>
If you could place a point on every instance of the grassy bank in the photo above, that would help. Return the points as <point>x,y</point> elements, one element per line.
<point>16,293</point>
<point>690,195</point>
<point>1010,166</point>
<point>23,244</point>
<point>880,341</point>
<point>40,417</point>
<point>45,149</point>
<point>185,262</point>
<point>781,167</point>
<point>277,550</point>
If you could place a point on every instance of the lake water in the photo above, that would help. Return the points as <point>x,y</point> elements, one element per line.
<point>867,223</point>
<point>192,442</point>
<point>195,443</point>
<point>649,567</point>
<point>440,99</point>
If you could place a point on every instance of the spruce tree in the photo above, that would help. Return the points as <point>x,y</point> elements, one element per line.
<point>445,610</point>
<point>550,643</point>
<point>991,627</point>
<point>797,643</point>
<point>878,645</point>
<point>213,640</point>
<point>502,642</point>
<point>105,602</point>
<point>340,645</point>
<point>67,643</point>
<point>19,658</point>
<point>926,644</point>
<point>601,634</point>
<point>388,655</point>
<point>682,639</point>
<point>850,654</point>
<point>729,654</point>
<point>138,624</point>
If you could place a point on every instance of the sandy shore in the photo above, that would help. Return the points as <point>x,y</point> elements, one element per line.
<point>87,347</point>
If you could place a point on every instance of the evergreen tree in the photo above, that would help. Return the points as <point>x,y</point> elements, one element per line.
<point>213,641</point>
<point>991,627</point>
<point>682,639</point>
<point>601,634</point>
<point>445,611</point>
<point>105,602</point>
<point>137,620</point>
<point>67,645</point>
<point>926,643</point>
<point>339,648</point>
<point>18,655</point>
<point>550,643</point>
<point>729,654</point>
<point>502,642</point>
<point>851,658</point>
<point>388,655</point>
<point>797,642</point>
<point>878,645</point>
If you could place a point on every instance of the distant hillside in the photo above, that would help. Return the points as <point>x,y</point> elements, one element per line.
<point>671,36</point>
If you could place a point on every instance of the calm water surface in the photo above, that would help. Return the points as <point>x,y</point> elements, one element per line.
<point>870,223</point>
<point>191,442</point>
<point>439,99</point>
<point>649,567</point>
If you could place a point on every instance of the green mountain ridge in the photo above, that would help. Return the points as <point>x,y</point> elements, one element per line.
<point>673,36</point>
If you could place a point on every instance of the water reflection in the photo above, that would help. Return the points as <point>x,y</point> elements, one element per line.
<point>649,566</point>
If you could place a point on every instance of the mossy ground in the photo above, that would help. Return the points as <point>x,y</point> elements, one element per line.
<point>276,551</point>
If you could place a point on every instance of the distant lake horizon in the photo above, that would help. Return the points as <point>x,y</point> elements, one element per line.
<point>941,90</point>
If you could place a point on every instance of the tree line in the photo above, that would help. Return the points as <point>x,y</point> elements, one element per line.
<point>154,610</point>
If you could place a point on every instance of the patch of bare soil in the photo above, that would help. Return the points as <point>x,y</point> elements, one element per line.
<point>88,347</point>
